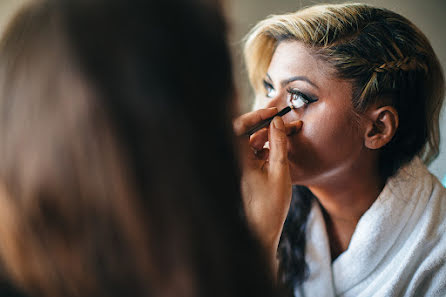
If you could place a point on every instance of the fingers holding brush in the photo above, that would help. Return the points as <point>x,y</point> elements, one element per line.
<point>259,141</point>
<point>267,189</point>
<point>246,121</point>
<point>266,181</point>
<point>293,127</point>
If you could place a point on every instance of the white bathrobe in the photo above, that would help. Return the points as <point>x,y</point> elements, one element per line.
<point>398,247</point>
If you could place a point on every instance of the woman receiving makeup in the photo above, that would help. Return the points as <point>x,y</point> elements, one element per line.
<point>366,217</point>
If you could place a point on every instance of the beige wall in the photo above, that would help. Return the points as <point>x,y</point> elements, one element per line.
<point>428,15</point>
<point>7,9</point>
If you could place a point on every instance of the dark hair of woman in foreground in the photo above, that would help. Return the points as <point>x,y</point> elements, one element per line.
<point>115,143</point>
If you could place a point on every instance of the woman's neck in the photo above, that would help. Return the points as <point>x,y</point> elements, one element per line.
<point>344,201</point>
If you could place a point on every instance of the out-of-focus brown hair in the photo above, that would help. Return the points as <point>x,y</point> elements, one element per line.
<point>113,183</point>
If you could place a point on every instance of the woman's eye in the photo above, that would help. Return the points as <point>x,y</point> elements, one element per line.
<point>269,90</point>
<point>298,99</point>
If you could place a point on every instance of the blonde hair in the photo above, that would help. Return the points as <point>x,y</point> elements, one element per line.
<point>380,51</point>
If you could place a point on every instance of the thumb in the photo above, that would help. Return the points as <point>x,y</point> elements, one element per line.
<point>278,155</point>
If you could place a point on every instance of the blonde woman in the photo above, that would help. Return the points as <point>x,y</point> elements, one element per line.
<point>366,217</point>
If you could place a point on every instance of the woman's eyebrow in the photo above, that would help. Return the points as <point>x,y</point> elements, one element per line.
<point>269,78</point>
<point>294,78</point>
<point>283,83</point>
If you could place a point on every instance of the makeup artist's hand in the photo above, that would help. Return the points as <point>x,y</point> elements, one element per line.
<point>266,181</point>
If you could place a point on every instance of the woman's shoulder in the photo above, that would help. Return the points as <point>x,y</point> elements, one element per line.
<point>429,276</point>
<point>415,180</point>
<point>416,185</point>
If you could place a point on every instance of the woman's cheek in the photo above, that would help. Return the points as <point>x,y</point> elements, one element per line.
<point>320,129</point>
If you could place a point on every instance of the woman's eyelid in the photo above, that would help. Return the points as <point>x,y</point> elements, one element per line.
<point>269,89</point>
<point>308,96</point>
<point>268,84</point>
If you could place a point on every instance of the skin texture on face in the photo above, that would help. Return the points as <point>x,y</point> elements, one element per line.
<point>330,146</point>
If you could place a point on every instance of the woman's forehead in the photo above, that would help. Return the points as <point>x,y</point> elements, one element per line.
<point>292,58</point>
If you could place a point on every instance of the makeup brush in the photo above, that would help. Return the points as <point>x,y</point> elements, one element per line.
<point>266,122</point>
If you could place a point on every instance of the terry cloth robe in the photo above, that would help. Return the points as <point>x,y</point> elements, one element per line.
<point>398,247</point>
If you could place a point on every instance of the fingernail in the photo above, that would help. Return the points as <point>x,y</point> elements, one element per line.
<point>297,124</point>
<point>278,123</point>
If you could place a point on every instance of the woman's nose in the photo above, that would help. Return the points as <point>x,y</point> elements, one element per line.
<point>278,101</point>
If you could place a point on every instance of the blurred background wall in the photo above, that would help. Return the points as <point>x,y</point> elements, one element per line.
<point>7,8</point>
<point>428,15</point>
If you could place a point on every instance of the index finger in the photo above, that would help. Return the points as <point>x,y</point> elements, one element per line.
<point>246,121</point>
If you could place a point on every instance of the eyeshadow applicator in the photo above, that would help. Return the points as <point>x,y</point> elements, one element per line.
<point>266,122</point>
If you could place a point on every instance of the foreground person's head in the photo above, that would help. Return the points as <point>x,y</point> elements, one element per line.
<point>113,180</point>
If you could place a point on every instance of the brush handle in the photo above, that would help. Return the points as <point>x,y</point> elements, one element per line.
<point>266,122</point>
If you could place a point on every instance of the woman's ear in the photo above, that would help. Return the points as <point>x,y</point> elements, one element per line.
<point>381,126</point>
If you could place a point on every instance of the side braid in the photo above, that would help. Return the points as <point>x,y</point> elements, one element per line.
<point>405,64</point>
<point>379,81</point>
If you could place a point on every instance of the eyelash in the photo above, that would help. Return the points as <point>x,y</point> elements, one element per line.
<point>268,88</point>
<point>305,99</point>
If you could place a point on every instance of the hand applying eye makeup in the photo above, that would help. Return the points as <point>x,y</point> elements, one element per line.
<point>266,182</point>
<point>296,100</point>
